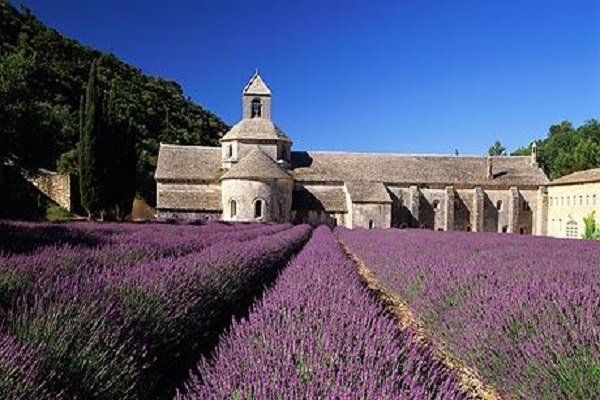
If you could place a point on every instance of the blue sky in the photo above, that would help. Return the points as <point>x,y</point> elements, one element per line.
<point>418,76</point>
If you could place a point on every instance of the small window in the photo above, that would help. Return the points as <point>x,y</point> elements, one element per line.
<point>526,205</point>
<point>440,229</point>
<point>522,230</point>
<point>587,200</point>
<point>594,199</point>
<point>436,205</point>
<point>258,209</point>
<point>580,200</point>
<point>469,228</point>
<point>256,108</point>
<point>228,151</point>
<point>505,229</point>
<point>371,224</point>
<point>233,208</point>
<point>335,222</point>
<point>499,205</point>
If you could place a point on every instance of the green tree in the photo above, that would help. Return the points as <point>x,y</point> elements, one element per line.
<point>497,149</point>
<point>42,78</point>
<point>91,168</point>
<point>592,229</point>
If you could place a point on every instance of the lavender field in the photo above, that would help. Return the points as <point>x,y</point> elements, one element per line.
<point>524,311</point>
<point>265,311</point>
<point>123,311</point>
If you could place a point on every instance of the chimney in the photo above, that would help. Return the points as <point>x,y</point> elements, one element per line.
<point>534,162</point>
<point>490,168</point>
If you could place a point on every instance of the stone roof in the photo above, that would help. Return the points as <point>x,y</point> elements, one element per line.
<point>189,200</point>
<point>187,163</point>
<point>256,86</point>
<point>255,129</point>
<point>256,165</point>
<point>314,166</point>
<point>368,192</point>
<point>323,199</point>
<point>587,176</point>
<point>196,163</point>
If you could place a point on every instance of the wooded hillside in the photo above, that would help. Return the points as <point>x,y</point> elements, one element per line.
<point>42,80</point>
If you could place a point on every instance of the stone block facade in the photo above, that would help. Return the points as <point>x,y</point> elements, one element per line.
<point>60,188</point>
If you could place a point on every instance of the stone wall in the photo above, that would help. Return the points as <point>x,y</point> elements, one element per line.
<point>188,215</point>
<point>57,187</point>
<point>371,215</point>
<point>463,205</point>
<point>432,211</point>
<point>201,197</point>
<point>276,197</point>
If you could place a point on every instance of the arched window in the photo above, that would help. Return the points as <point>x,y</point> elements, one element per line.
<point>256,111</point>
<point>436,205</point>
<point>233,208</point>
<point>505,229</point>
<point>469,228</point>
<point>499,205</point>
<point>258,209</point>
<point>522,230</point>
<point>228,151</point>
<point>371,224</point>
<point>526,205</point>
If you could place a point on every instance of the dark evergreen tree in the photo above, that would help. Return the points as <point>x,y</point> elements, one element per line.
<point>91,168</point>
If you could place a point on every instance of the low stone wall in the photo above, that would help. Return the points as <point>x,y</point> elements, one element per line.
<point>58,187</point>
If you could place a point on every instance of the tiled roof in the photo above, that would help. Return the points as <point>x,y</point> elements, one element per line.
<point>257,86</point>
<point>256,164</point>
<point>187,163</point>
<point>587,176</point>
<point>195,163</point>
<point>368,192</point>
<point>256,129</point>
<point>330,199</point>
<point>314,166</point>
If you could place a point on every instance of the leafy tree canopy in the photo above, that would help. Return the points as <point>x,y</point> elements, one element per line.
<point>42,80</point>
<point>497,149</point>
<point>567,149</point>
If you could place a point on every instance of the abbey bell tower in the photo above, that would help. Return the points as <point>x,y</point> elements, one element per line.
<point>256,99</point>
<point>256,129</point>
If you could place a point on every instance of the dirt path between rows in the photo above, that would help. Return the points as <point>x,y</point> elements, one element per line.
<point>469,380</point>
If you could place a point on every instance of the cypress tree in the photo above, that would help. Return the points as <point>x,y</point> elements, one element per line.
<point>91,170</point>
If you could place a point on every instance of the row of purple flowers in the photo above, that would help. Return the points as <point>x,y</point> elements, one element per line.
<point>318,334</point>
<point>124,315</point>
<point>524,311</point>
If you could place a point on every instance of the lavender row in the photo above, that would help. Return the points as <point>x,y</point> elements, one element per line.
<point>42,269</point>
<point>523,310</point>
<point>318,334</point>
<point>126,333</point>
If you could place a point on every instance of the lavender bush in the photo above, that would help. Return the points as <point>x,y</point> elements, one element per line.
<point>523,310</point>
<point>319,335</point>
<point>126,317</point>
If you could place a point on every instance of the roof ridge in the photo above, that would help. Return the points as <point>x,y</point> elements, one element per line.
<point>188,146</point>
<point>374,153</point>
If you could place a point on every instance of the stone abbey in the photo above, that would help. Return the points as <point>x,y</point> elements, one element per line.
<point>256,176</point>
